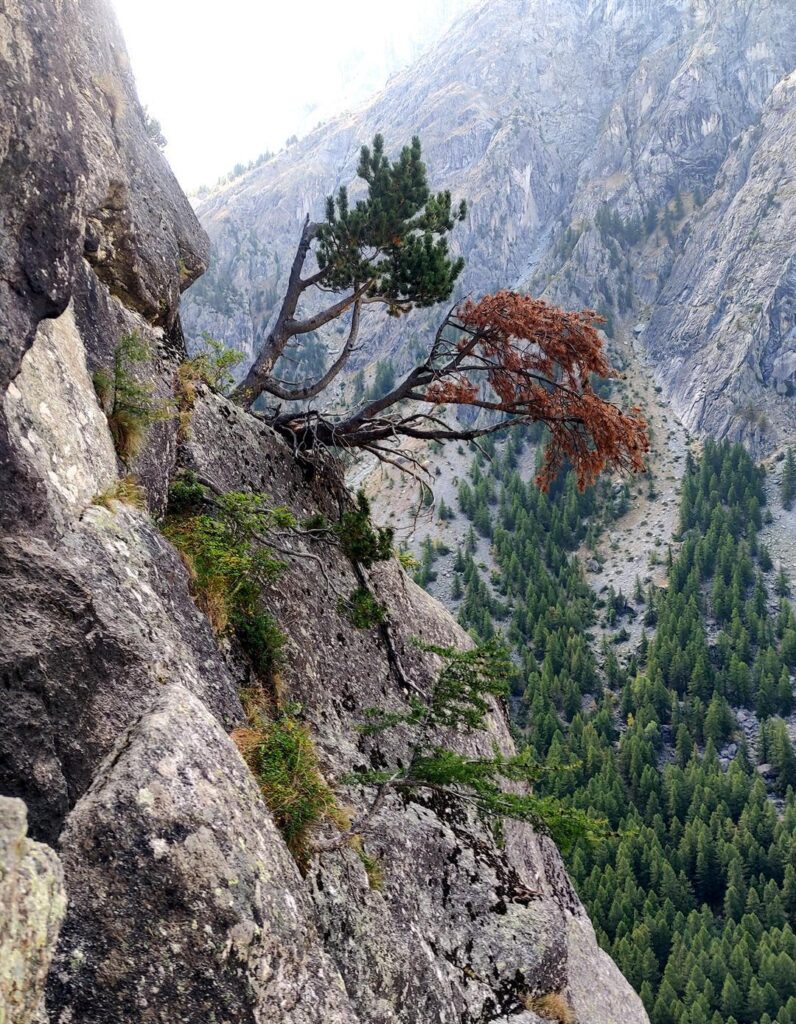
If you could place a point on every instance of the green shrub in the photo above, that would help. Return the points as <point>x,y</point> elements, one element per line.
<point>282,757</point>
<point>459,702</point>
<point>230,562</point>
<point>128,404</point>
<point>317,521</point>
<point>212,364</point>
<point>362,543</point>
<point>407,559</point>
<point>362,609</point>
<point>262,639</point>
<point>186,495</point>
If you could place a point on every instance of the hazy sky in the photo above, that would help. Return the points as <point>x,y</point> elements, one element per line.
<point>229,79</point>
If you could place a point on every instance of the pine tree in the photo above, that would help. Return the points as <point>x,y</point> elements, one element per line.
<point>788,480</point>
<point>358,387</point>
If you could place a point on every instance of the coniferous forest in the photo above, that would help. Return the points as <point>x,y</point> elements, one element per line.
<point>694,893</point>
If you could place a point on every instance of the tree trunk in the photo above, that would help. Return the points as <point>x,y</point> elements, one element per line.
<point>252,385</point>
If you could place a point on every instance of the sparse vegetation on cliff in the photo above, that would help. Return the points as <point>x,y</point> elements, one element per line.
<point>466,691</point>
<point>126,491</point>
<point>279,750</point>
<point>129,403</point>
<point>224,541</point>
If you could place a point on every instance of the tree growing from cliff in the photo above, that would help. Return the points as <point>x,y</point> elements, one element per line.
<point>463,696</point>
<point>390,248</point>
<point>513,358</point>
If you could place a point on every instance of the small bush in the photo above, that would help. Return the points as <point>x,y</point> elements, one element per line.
<point>317,521</point>
<point>186,495</point>
<point>282,757</point>
<point>128,403</point>
<point>262,639</point>
<point>153,129</point>
<point>460,701</point>
<point>361,542</point>
<point>212,364</point>
<point>408,560</point>
<point>230,564</point>
<point>362,609</point>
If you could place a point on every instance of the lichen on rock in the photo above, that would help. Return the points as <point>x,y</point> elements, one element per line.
<point>33,901</point>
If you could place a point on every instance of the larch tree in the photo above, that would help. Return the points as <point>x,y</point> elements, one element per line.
<point>516,359</point>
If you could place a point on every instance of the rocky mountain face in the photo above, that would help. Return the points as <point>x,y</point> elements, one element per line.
<point>625,155</point>
<point>118,698</point>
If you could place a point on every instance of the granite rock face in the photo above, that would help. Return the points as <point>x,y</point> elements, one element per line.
<point>569,125</point>
<point>91,212</point>
<point>186,904</point>
<point>33,902</point>
<point>118,697</point>
<point>455,934</point>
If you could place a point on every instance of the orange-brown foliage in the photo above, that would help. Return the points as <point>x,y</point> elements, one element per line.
<point>539,361</point>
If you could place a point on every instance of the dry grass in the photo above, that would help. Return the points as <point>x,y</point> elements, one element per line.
<point>551,1006</point>
<point>372,865</point>
<point>126,491</point>
<point>213,601</point>
<point>210,599</point>
<point>186,397</point>
<point>247,740</point>
<point>129,432</point>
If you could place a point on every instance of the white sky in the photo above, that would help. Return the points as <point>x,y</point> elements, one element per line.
<point>229,79</point>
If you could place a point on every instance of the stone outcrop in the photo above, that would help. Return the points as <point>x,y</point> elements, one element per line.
<point>33,902</point>
<point>118,698</point>
<point>186,903</point>
<point>547,116</point>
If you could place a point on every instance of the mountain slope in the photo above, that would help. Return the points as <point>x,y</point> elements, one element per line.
<point>567,124</point>
<point>726,317</point>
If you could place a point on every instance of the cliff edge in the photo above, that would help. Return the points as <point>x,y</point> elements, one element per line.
<point>118,698</point>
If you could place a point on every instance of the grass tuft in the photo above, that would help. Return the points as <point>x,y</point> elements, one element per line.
<point>128,403</point>
<point>374,869</point>
<point>279,750</point>
<point>229,567</point>
<point>212,366</point>
<point>125,491</point>
<point>551,1006</point>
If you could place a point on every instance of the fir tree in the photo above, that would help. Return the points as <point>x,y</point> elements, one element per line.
<point>788,480</point>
